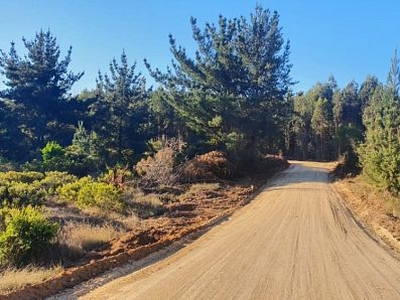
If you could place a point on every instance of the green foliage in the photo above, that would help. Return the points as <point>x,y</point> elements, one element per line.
<point>120,112</point>
<point>19,194</point>
<point>69,191</point>
<point>310,128</point>
<point>53,156</point>
<point>380,153</point>
<point>236,84</point>
<point>26,235</point>
<point>6,165</point>
<point>346,140</point>
<point>55,179</point>
<point>30,188</point>
<point>21,188</point>
<point>23,177</point>
<point>82,157</point>
<point>321,123</point>
<point>51,151</point>
<point>38,86</point>
<point>101,195</point>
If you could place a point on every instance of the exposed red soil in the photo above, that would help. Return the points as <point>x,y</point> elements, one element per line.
<point>190,215</point>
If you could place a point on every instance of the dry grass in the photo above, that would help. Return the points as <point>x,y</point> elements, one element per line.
<point>149,199</point>
<point>14,279</point>
<point>377,209</point>
<point>198,188</point>
<point>129,222</point>
<point>136,196</point>
<point>78,239</point>
<point>374,196</point>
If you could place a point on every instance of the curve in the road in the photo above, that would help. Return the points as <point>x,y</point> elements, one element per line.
<point>296,240</point>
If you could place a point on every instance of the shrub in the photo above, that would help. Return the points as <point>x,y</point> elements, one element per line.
<point>53,156</point>
<point>159,170</point>
<point>55,179</point>
<point>117,176</point>
<point>102,195</point>
<point>209,166</point>
<point>6,165</point>
<point>15,176</point>
<point>52,150</point>
<point>69,192</point>
<point>20,194</point>
<point>27,235</point>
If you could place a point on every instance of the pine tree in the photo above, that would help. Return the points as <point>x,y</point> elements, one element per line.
<point>321,124</point>
<point>38,84</point>
<point>233,92</point>
<point>380,153</point>
<point>119,111</point>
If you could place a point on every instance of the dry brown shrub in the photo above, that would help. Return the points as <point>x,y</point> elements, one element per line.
<point>159,169</point>
<point>13,279</point>
<point>205,167</point>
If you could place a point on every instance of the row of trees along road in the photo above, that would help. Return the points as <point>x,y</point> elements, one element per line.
<point>233,95</point>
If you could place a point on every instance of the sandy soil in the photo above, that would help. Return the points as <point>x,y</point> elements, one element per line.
<point>295,241</point>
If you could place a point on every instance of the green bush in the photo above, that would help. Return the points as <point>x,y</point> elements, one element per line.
<point>20,194</point>
<point>27,235</point>
<point>102,195</point>
<point>15,176</point>
<point>72,159</point>
<point>52,151</point>
<point>55,179</point>
<point>69,192</point>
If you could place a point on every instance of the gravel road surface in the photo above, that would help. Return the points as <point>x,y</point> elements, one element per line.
<point>296,240</point>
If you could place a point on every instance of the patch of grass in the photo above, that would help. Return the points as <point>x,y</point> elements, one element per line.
<point>77,239</point>
<point>144,205</point>
<point>129,222</point>
<point>12,279</point>
<point>374,196</point>
<point>198,188</point>
<point>147,199</point>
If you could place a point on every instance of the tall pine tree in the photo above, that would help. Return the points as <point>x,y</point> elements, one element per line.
<point>233,92</point>
<point>38,86</point>
<point>120,112</point>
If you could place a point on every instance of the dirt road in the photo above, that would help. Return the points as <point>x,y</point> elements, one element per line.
<point>294,241</point>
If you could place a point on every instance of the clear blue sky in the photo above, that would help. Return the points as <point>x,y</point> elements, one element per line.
<point>348,39</point>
